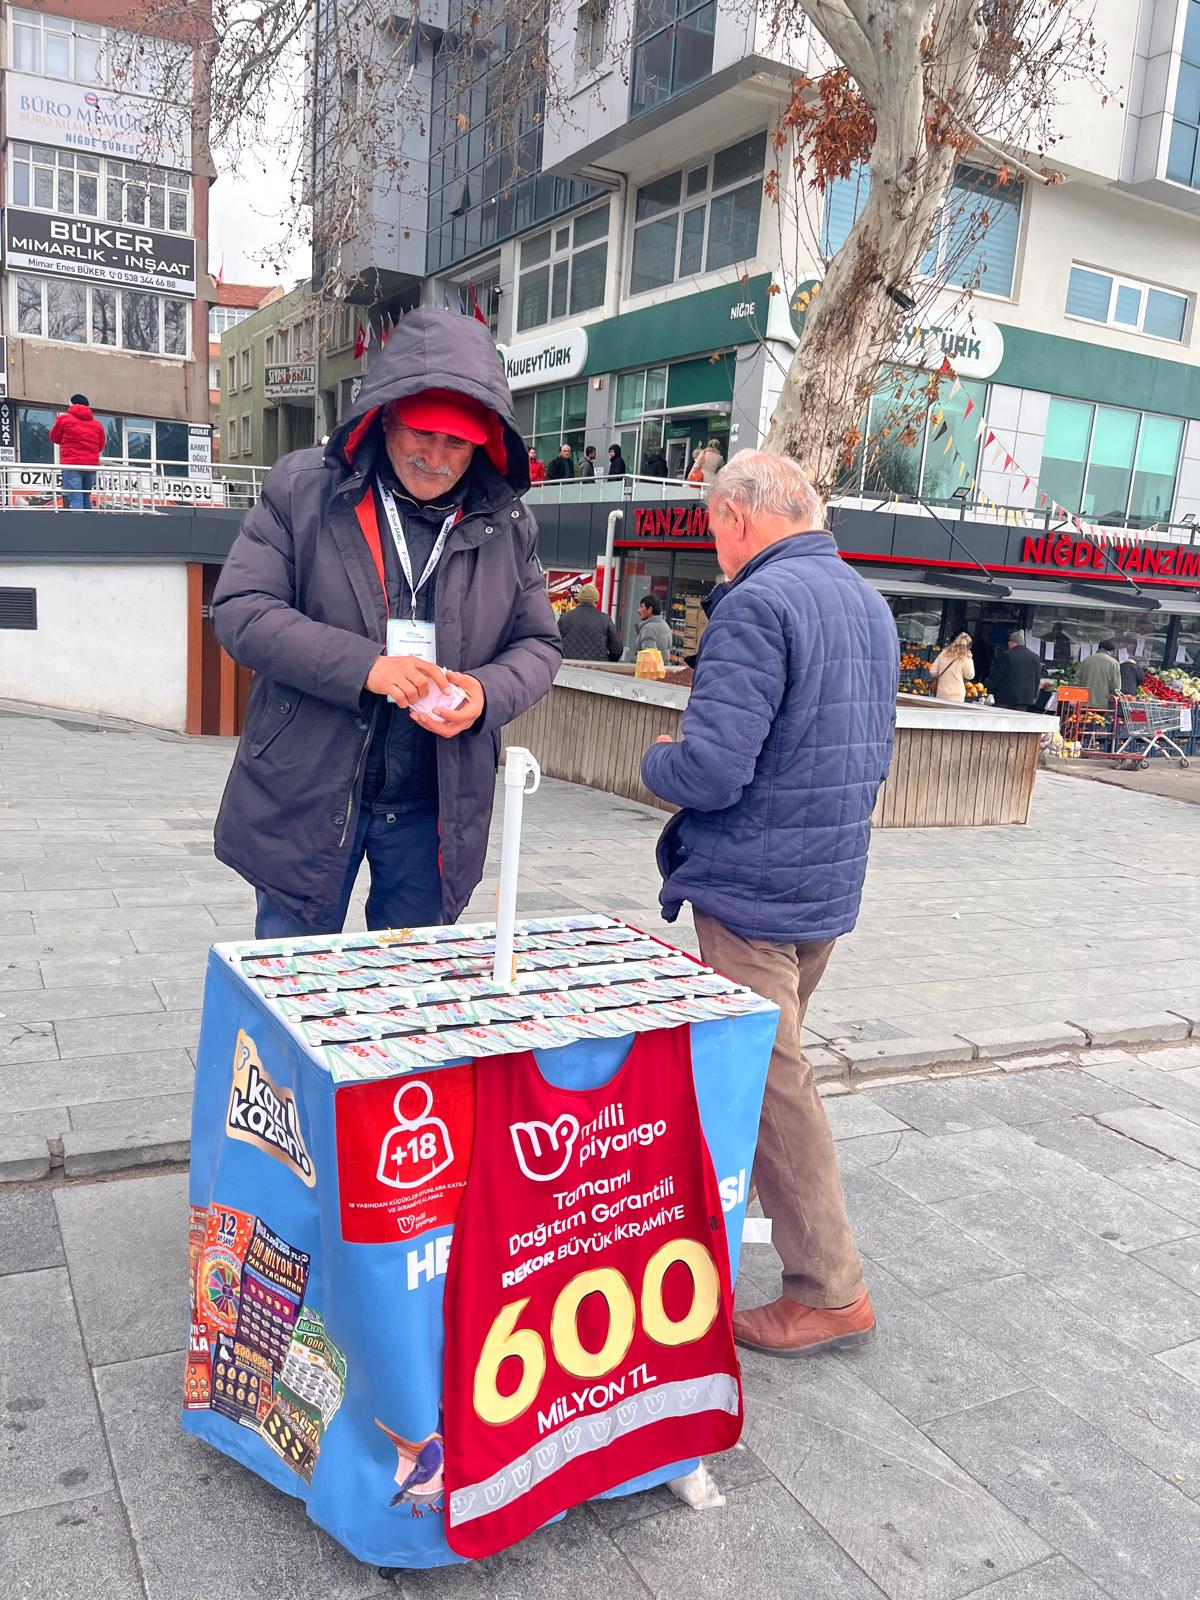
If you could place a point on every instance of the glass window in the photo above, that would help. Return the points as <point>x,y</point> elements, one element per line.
<point>738,162</point>
<point>941,477</point>
<point>29,306</point>
<point>733,226</point>
<point>533,300</point>
<point>104,316</point>
<point>175,320</point>
<point>1110,464</point>
<point>171,441</point>
<point>592,225</point>
<point>975,238</point>
<point>85,52</point>
<point>631,387</point>
<point>1124,303</point>
<point>656,388</point>
<point>1128,307</point>
<point>1065,452</point>
<point>66,311</point>
<point>535,250</point>
<point>139,321</point>
<point>139,432</point>
<point>1154,474</point>
<point>588,272</point>
<point>895,434</point>
<point>673,49</point>
<point>654,254</point>
<point>33,426</point>
<point>1165,314</point>
<point>1183,164</point>
<point>691,248</point>
<point>655,198</point>
<point>1088,294</point>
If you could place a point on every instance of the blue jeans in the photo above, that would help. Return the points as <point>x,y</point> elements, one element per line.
<point>401,848</point>
<point>78,483</point>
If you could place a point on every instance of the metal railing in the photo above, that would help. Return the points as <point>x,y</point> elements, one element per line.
<point>591,491</point>
<point>25,487</point>
<point>1028,518</point>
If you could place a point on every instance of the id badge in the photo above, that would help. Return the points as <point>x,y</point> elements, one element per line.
<point>408,638</point>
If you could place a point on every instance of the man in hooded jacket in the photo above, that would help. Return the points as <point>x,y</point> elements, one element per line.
<point>396,559</point>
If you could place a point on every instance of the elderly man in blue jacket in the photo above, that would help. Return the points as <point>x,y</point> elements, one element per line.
<point>785,742</point>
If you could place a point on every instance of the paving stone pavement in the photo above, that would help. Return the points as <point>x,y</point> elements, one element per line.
<point>1024,1427</point>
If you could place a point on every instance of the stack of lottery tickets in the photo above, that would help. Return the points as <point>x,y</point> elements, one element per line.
<point>371,1005</point>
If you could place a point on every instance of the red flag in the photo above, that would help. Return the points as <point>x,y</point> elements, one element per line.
<point>990,440</point>
<point>1008,461</point>
<point>360,342</point>
<point>1043,499</point>
<point>475,311</point>
<point>970,408</point>
<point>945,369</point>
<point>1025,485</point>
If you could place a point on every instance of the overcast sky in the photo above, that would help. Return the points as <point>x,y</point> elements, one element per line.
<point>247,223</point>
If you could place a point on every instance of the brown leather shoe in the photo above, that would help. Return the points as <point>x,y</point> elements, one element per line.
<point>786,1328</point>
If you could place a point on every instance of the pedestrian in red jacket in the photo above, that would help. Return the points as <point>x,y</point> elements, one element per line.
<point>537,469</point>
<point>80,439</point>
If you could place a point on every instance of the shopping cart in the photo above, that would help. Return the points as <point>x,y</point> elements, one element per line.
<point>1146,725</point>
<point>1087,732</point>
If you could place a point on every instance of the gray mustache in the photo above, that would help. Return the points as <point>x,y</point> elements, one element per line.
<point>423,466</point>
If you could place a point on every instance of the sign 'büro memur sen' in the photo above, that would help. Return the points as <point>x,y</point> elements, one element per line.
<point>76,247</point>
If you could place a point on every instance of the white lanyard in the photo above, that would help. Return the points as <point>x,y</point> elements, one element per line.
<point>398,539</point>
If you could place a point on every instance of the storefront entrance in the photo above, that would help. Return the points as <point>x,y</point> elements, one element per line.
<point>680,580</point>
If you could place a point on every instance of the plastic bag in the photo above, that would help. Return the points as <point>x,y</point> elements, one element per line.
<point>650,665</point>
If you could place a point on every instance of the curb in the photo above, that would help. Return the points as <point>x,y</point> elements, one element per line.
<point>839,1069</point>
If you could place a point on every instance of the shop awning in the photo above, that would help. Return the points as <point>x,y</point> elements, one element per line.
<point>1030,594</point>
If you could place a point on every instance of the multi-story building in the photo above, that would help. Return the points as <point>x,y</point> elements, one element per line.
<point>631,263</point>
<point>234,303</point>
<point>269,367</point>
<point>105,286</point>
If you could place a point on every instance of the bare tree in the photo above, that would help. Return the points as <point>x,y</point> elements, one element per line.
<point>915,87</point>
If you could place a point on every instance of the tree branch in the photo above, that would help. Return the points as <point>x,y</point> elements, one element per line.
<point>846,37</point>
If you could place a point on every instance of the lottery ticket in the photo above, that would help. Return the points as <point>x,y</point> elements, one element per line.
<point>334,1030</point>
<point>373,1058</point>
<point>293,1429</point>
<point>638,1019</point>
<point>274,1276</point>
<point>297,983</point>
<point>482,1041</point>
<point>311,1005</point>
<point>381,1024</point>
<point>401,996</point>
<point>356,1000</point>
<point>677,967</point>
<point>527,1035</point>
<point>683,1010</point>
<point>734,1004</point>
<point>430,1047</point>
<point>321,961</point>
<point>376,956</point>
<point>241,1383</point>
<point>270,967</point>
<point>593,1025</point>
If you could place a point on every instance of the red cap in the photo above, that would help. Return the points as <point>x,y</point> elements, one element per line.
<point>443,411</point>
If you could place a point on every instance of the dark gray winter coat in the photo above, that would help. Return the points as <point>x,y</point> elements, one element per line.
<point>301,602</point>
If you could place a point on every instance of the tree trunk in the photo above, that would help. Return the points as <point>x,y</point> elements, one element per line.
<point>850,324</point>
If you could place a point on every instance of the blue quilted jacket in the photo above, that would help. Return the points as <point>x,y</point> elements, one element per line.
<point>786,740</point>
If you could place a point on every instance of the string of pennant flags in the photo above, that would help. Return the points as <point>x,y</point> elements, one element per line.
<point>1003,460</point>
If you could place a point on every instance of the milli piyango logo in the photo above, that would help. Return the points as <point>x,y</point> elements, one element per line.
<point>263,1115</point>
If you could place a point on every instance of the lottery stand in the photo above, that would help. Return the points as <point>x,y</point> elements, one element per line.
<point>333,1137</point>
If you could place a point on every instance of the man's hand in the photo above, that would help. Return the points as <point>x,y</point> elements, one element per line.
<point>664,738</point>
<point>404,679</point>
<point>446,724</point>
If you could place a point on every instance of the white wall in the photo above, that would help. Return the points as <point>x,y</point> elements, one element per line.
<point>111,638</point>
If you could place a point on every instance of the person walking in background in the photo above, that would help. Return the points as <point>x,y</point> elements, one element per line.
<point>1100,675</point>
<point>1016,675</point>
<point>711,461</point>
<point>786,740</point>
<point>953,669</point>
<point>654,464</point>
<point>537,469</point>
<point>1131,675</point>
<point>695,472</point>
<point>80,439</point>
<point>588,633</point>
<point>562,466</point>
<point>653,630</point>
<point>616,462</point>
<point>588,469</point>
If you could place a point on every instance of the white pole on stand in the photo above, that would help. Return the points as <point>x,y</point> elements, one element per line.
<point>519,765</point>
